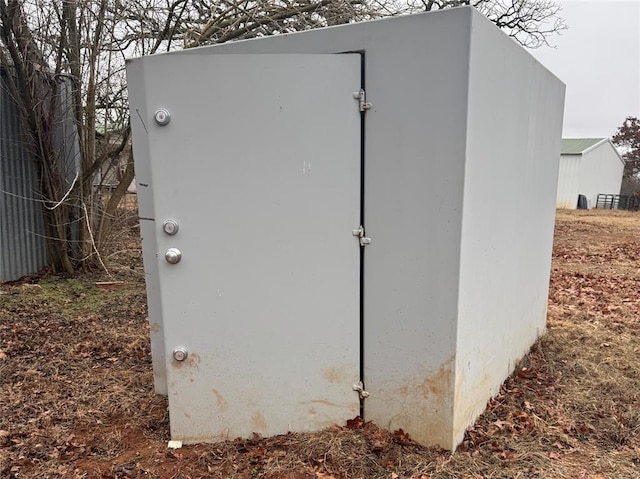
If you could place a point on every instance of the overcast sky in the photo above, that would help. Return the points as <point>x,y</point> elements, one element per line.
<point>598,58</point>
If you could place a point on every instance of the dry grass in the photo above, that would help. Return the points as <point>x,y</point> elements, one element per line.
<point>76,395</point>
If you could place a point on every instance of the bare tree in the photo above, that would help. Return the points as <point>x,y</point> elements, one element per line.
<point>56,52</point>
<point>627,138</point>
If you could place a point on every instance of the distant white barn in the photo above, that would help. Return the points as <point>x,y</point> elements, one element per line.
<point>588,166</point>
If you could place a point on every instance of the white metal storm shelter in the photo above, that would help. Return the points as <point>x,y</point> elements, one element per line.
<point>341,208</point>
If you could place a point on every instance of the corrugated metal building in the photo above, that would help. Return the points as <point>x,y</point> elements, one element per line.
<point>588,166</point>
<point>23,246</point>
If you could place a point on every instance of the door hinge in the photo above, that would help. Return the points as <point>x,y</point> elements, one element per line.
<point>359,388</point>
<point>359,233</point>
<point>361,96</point>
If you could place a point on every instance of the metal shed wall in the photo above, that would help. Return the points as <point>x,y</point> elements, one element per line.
<point>601,170</point>
<point>23,247</point>
<point>22,234</point>
<point>568,181</point>
<point>425,172</point>
<point>414,191</point>
<point>589,168</point>
<point>508,215</point>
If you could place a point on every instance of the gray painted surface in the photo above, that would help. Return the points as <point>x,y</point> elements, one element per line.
<point>66,138</point>
<point>420,153</point>
<point>146,211</point>
<point>266,297</point>
<point>23,248</point>
<point>415,150</point>
<point>515,105</point>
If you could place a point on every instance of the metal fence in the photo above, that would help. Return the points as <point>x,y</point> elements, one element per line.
<point>618,202</point>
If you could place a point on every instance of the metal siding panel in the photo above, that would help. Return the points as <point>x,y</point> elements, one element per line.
<point>600,172</point>
<point>568,181</point>
<point>69,144</point>
<point>508,217</point>
<point>146,212</point>
<point>22,242</point>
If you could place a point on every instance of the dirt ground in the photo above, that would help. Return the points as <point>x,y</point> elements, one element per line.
<point>76,398</point>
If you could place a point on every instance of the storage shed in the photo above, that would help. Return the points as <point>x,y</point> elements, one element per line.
<point>333,224</point>
<point>589,167</point>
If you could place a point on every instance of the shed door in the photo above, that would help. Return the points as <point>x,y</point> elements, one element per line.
<point>259,167</point>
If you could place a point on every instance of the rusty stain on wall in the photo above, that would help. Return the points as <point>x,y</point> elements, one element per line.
<point>440,383</point>
<point>220,401</point>
<point>424,405</point>
<point>339,374</point>
<point>192,362</point>
<point>324,402</point>
<point>467,393</point>
<point>258,423</point>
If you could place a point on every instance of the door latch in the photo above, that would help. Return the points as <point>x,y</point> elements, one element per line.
<point>359,233</point>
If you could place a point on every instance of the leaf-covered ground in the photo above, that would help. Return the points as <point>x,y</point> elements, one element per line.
<point>76,396</point>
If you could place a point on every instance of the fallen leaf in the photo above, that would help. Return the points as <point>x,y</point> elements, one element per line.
<point>355,423</point>
<point>402,437</point>
<point>499,424</point>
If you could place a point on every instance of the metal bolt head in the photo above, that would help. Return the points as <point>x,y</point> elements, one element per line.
<point>162,117</point>
<point>173,255</point>
<point>180,354</point>
<point>170,227</point>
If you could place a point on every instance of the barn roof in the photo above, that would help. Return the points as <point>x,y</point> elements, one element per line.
<point>578,146</point>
